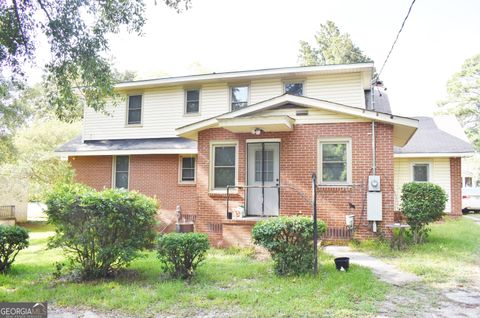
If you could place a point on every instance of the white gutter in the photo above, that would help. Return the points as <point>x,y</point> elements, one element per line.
<point>127,152</point>
<point>212,77</point>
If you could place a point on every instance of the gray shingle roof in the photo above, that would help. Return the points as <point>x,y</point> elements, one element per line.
<point>76,144</point>
<point>381,101</point>
<point>442,134</point>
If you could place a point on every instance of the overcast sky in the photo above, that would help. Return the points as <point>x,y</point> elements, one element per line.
<point>223,35</point>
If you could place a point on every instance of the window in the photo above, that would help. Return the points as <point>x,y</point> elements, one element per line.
<point>134,115</point>
<point>421,172</point>
<point>239,97</point>
<point>187,169</point>
<point>224,169</point>
<point>120,174</point>
<point>294,88</point>
<point>192,101</point>
<point>268,166</point>
<point>334,161</point>
<point>468,182</point>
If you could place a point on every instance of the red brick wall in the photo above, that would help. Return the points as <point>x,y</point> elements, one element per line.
<point>153,175</point>
<point>298,159</point>
<point>95,171</point>
<point>456,186</point>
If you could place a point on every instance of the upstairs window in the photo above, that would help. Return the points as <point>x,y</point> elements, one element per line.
<point>421,172</point>
<point>192,101</point>
<point>134,114</point>
<point>187,169</point>
<point>120,173</point>
<point>239,97</point>
<point>294,88</point>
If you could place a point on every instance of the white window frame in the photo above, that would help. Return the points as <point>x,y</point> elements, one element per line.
<point>230,99</point>
<point>127,108</point>
<point>429,171</point>
<point>335,140</point>
<point>211,181</point>
<point>114,171</point>
<point>180,170</point>
<point>284,83</point>
<point>185,113</point>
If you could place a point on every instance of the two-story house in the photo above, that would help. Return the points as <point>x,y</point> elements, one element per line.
<point>259,135</point>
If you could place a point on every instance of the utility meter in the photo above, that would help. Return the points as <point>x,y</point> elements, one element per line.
<point>373,183</point>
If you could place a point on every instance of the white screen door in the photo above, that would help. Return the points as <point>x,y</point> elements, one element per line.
<point>263,169</point>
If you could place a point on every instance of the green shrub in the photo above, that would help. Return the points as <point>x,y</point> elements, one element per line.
<point>180,253</point>
<point>13,239</point>
<point>422,203</point>
<point>100,231</point>
<point>290,242</point>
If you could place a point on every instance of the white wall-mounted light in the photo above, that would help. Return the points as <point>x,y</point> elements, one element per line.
<point>257,131</point>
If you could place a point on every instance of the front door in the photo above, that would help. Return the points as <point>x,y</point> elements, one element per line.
<point>263,174</point>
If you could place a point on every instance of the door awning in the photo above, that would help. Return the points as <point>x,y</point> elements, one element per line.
<point>265,123</point>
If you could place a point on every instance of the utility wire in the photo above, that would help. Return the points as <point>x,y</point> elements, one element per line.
<point>396,39</point>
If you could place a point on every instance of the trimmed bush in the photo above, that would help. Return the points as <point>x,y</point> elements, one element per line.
<point>13,239</point>
<point>181,253</point>
<point>290,242</point>
<point>100,231</point>
<point>422,203</point>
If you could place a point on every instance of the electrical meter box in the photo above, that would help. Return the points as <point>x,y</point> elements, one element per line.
<point>374,206</point>
<point>374,183</point>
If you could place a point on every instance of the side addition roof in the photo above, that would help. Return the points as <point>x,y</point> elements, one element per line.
<point>440,136</point>
<point>176,145</point>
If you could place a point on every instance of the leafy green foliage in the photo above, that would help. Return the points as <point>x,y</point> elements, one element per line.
<point>79,72</point>
<point>13,239</point>
<point>100,231</point>
<point>464,98</point>
<point>290,242</point>
<point>181,253</point>
<point>333,47</point>
<point>422,203</point>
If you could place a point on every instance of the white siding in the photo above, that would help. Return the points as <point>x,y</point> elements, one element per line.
<point>440,174</point>
<point>341,88</point>
<point>163,107</point>
<point>314,116</point>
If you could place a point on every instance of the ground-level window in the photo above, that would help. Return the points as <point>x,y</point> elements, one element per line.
<point>468,182</point>
<point>187,169</point>
<point>334,161</point>
<point>134,114</point>
<point>121,165</point>
<point>224,165</point>
<point>293,88</point>
<point>421,172</point>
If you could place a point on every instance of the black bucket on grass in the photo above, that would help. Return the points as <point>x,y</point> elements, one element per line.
<point>342,262</point>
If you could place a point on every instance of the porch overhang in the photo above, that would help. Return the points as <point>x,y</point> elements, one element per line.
<point>403,127</point>
<point>265,123</point>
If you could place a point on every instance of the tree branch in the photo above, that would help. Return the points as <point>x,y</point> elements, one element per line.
<point>17,16</point>
<point>44,10</point>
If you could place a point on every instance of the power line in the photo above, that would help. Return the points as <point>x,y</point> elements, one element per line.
<point>396,39</point>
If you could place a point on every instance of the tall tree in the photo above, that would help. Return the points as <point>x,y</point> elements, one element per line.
<point>332,47</point>
<point>78,71</point>
<point>464,98</point>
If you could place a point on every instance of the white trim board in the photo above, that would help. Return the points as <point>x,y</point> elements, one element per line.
<point>192,151</point>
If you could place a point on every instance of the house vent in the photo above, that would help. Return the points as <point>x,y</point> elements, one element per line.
<point>302,112</point>
<point>215,227</point>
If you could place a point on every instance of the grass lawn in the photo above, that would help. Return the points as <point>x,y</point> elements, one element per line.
<point>229,282</point>
<point>449,258</point>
